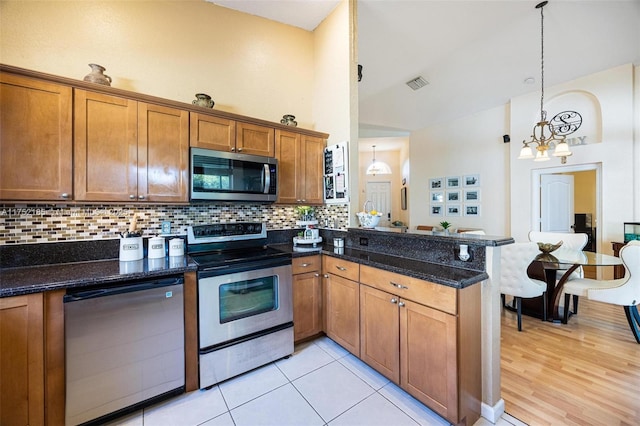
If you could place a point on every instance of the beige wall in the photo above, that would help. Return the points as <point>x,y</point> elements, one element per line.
<point>171,49</point>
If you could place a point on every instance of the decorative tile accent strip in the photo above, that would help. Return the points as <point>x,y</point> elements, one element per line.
<point>28,224</point>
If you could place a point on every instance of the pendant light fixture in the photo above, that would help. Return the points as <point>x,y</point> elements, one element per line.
<point>378,167</point>
<point>544,136</point>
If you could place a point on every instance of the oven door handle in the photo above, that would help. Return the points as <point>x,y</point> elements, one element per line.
<point>266,179</point>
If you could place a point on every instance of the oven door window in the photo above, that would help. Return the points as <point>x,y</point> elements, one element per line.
<point>242,299</point>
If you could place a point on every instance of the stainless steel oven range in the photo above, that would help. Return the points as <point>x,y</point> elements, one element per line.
<point>245,302</point>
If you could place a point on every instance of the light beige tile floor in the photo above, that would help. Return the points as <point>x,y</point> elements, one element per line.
<point>320,384</point>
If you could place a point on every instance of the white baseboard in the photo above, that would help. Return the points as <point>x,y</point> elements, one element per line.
<point>494,413</point>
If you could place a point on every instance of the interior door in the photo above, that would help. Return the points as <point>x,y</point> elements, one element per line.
<point>379,193</point>
<point>556,203</point>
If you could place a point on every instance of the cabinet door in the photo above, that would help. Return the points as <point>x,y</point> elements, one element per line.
<point>105,147</point>
<point>36,139</point>
<point>287,147</point>
<point>342,311</point>
<point>21,360</point>
<point>313,168</point>
<point>163,154</point>
<point>428,348</point>
<point>212,132</point>
<point>255,140</point>
<point>307,305</point>
<point>380,332</point>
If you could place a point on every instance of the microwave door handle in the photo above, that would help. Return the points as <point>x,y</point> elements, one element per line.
<point>266,179</point>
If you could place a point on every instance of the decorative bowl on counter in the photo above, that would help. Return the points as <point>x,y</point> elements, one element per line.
<point>368,220</point>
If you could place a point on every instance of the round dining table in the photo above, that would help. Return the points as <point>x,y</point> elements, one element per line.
<point>545,266</point>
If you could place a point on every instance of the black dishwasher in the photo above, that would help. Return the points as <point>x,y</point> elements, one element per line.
<point>124,347</point>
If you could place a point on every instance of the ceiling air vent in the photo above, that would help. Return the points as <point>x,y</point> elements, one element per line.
<point>417,83</point>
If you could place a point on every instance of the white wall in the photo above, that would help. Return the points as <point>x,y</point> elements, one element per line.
<point>174,49</point>
<point>471,145</point>
<point>613,90</point>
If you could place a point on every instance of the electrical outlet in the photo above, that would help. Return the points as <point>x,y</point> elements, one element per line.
<point>364,241</point>
<point>166,227</point>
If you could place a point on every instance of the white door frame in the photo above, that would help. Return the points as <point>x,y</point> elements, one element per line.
<point>535,193</point>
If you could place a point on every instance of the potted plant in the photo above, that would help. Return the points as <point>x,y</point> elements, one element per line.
<point>305,213</point>
<point>445,225</point>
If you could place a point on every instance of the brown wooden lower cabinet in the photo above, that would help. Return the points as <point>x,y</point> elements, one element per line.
<point>342,311</point>
<point>432,352</point>
<point>22,360</point>
<point>307,297</point>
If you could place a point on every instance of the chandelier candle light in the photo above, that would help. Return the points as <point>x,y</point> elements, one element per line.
<point>539,138</point>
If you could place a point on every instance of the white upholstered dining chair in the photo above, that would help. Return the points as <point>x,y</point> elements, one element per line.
<point>514,281</point>
<point>624,291</point>
<point>570,241</point>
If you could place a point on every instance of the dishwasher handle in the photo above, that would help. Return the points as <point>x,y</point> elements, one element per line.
<point>127,288</point>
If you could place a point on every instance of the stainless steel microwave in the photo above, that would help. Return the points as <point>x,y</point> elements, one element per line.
<point>229,176</point>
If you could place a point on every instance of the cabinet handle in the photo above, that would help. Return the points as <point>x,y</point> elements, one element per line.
<point>400,286</point>
<point>140,197</point>
<point>304,265</point>
<point>394,300</point>
<point>64,195</point>
<point>401,304</point>
<point>340,268</point>
<point>132,197</point>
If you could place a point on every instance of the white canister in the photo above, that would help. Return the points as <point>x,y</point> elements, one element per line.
<point>338,242</point>
<point>156,248</point>
<point>176,247</point>
<point>131,249</point>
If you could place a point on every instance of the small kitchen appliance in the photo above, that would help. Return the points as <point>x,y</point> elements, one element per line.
<point>245,299</point>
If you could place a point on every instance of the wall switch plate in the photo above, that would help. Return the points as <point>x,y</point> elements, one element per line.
<point>364,241</point>
<point>166,227</point>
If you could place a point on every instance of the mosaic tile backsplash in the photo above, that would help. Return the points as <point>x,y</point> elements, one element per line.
<point>29,224</point>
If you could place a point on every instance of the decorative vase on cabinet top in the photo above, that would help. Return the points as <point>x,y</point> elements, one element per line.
<point>289,120</point>
<point>97,75</point>
<point>203,100</point>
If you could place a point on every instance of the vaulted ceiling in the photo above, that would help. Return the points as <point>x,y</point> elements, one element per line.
<point>475,54</point>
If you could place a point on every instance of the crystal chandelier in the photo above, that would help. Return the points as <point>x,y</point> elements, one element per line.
<point>378,167</point>
<point>544,134</point>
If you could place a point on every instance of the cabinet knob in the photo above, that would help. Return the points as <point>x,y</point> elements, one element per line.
<point>64,195</point>
<point>394,300</point>
<point>239,149</point>
<point>233,149</point>
<point>326,275</point>
<point>140,197</point>
<point>401,304</point>
<point>316,275</point>
<point>132,197</point>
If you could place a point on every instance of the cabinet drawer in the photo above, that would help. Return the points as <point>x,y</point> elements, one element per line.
<point>300,265</point>
<point>426,293</point>
<point>343,268</point>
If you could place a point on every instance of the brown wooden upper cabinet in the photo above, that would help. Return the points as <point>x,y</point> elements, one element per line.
<point>222,134</point>
<point>126,150</point>
<point>300,163</point>
<point>36,142</point>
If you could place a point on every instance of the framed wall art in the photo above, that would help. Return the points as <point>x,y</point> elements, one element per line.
<point>453,196</point>
<point>454,210</point>
<point>437,210</point>
<point>471,195</point>
<point>453,182</point>
<point>471,180</point>
<point>472,210</point>
<point>436,183</point>
<point>437,197</point>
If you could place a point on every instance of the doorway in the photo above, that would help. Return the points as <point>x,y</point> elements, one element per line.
<point>568,199</point>
<point>379,193</point>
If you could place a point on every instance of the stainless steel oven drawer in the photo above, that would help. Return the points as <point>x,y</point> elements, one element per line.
<point>229,361</point>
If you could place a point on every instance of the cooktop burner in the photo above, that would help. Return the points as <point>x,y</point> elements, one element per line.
<point>230,243</point>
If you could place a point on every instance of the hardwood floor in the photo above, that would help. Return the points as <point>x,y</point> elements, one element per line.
<point>586,372</point>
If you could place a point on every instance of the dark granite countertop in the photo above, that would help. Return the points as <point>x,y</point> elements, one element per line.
<point>441,274</point>
<point>39,278</point>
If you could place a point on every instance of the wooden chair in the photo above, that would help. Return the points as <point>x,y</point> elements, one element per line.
<point>623,291</point>
<point>424,228</point>
<point>514,281</point>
